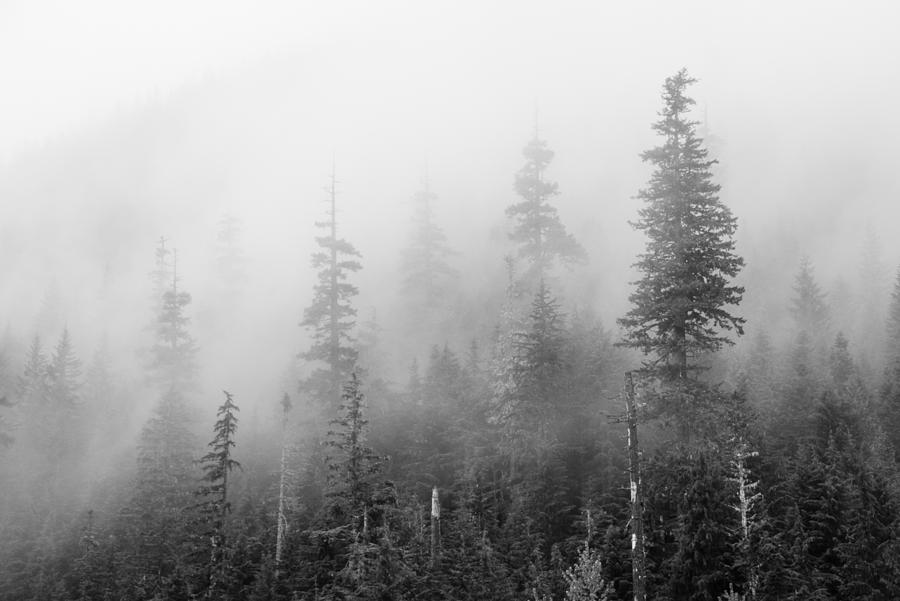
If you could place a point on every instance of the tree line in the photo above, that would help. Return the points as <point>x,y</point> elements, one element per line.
<point>508,469</point>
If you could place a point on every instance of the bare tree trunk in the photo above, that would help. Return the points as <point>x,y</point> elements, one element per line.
<point>282,521</point>
<point>638,568</point>
<point>747,498</point>
<point>435,527</point>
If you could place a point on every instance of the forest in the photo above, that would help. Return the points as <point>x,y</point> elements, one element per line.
<point>387,301</point>
<point>544,457</point>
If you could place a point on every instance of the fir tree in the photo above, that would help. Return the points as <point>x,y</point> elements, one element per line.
<point>527,397</point>
<point>174,351</point>
<point>215,506</point>
<point>352,464</point>
<point>154,520</point>
<point>542,238</point>
<point>889,406</point>
<point>808,306</point>
<point>427,274</point>
<point>680,305</point>
<point>230,258</point>
<point>330,317</point>
<point>161,276</point>
<point>66,430</point>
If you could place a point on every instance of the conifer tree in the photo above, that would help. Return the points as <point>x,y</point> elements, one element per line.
<point>541,237</point>
<point>174,351</point>
<point>352,463</point>
<point>427,274</point>
<point>330,317</point>
<point>161,276</point>
<point>66,432</point>
<point>215,506</point>
<point>808,306</point>
<point>527,398</point>
<point>154,519</point>
<point>874,294</point>
<point>230,257</point>
<point>33,384</point>
<point>680,304</point>
<point>890,387</point>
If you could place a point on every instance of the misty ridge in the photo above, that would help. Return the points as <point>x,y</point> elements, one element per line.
<point>525,316</point>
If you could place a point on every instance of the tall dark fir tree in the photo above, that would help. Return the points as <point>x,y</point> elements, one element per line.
<point>681,301</point>
<point>331,316</point>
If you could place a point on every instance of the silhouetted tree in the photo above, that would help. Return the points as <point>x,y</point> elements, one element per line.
<point>215,506</point>
<point>330,317</point>
<point>680,306</point>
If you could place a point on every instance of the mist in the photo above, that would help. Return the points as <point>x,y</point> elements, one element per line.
<point>124,124</point>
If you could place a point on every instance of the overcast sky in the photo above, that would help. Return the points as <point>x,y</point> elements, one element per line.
<point>65,63</point>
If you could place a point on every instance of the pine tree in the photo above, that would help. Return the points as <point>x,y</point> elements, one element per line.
<point>352,464</point>
<point>174,351</point>
<point>584,580</point>
<point>161,276</point>
<point>66,431</point>
<point>542,238</point>
<point>874,283</point>
<point>427,274</point>
<point>154,519</point>
<point>229,256</point>
<point>215,506</point>
<point>33,384</point>
<point>808,306</point>
<point>889,406</point>
<point>330,317</point>
<point>680,303</point>
<point>527,399</point>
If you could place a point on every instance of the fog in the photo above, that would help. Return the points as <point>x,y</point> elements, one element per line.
<point>125,122</point>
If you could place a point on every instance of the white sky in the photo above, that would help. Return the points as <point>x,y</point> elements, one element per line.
<point>64,62</point>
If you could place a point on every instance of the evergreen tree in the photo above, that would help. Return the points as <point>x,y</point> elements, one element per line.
<point>161,276</point>
<point>230,257</point>
<point>527,399</point>
<point>215,506</point>
<point>889,406</point>
<point>174,351</point>
<point>330,317</point>
<point>32,385</point>
<point>680,303</point>
<point>154,521</point>
<point>874,289</point>
<point>66,431</point>
<point>352,464</point>
<point>427,274</point>
<point>808,306</point>
<point>542,238</point>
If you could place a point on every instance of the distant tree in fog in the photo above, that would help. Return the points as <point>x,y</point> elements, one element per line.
<point>680,305</point>
<point>890,387</point>
<point>541,237</point>
<point>808,306</point>
<point>427,274</point>
<point>331,316</point>
<point>230,256</point>
<point>174,351</point>
<point>161,276</point>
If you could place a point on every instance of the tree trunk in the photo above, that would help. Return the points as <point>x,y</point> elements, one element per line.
<point>435,527</point>
<point>638,568</point>
<point>282,521</point>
